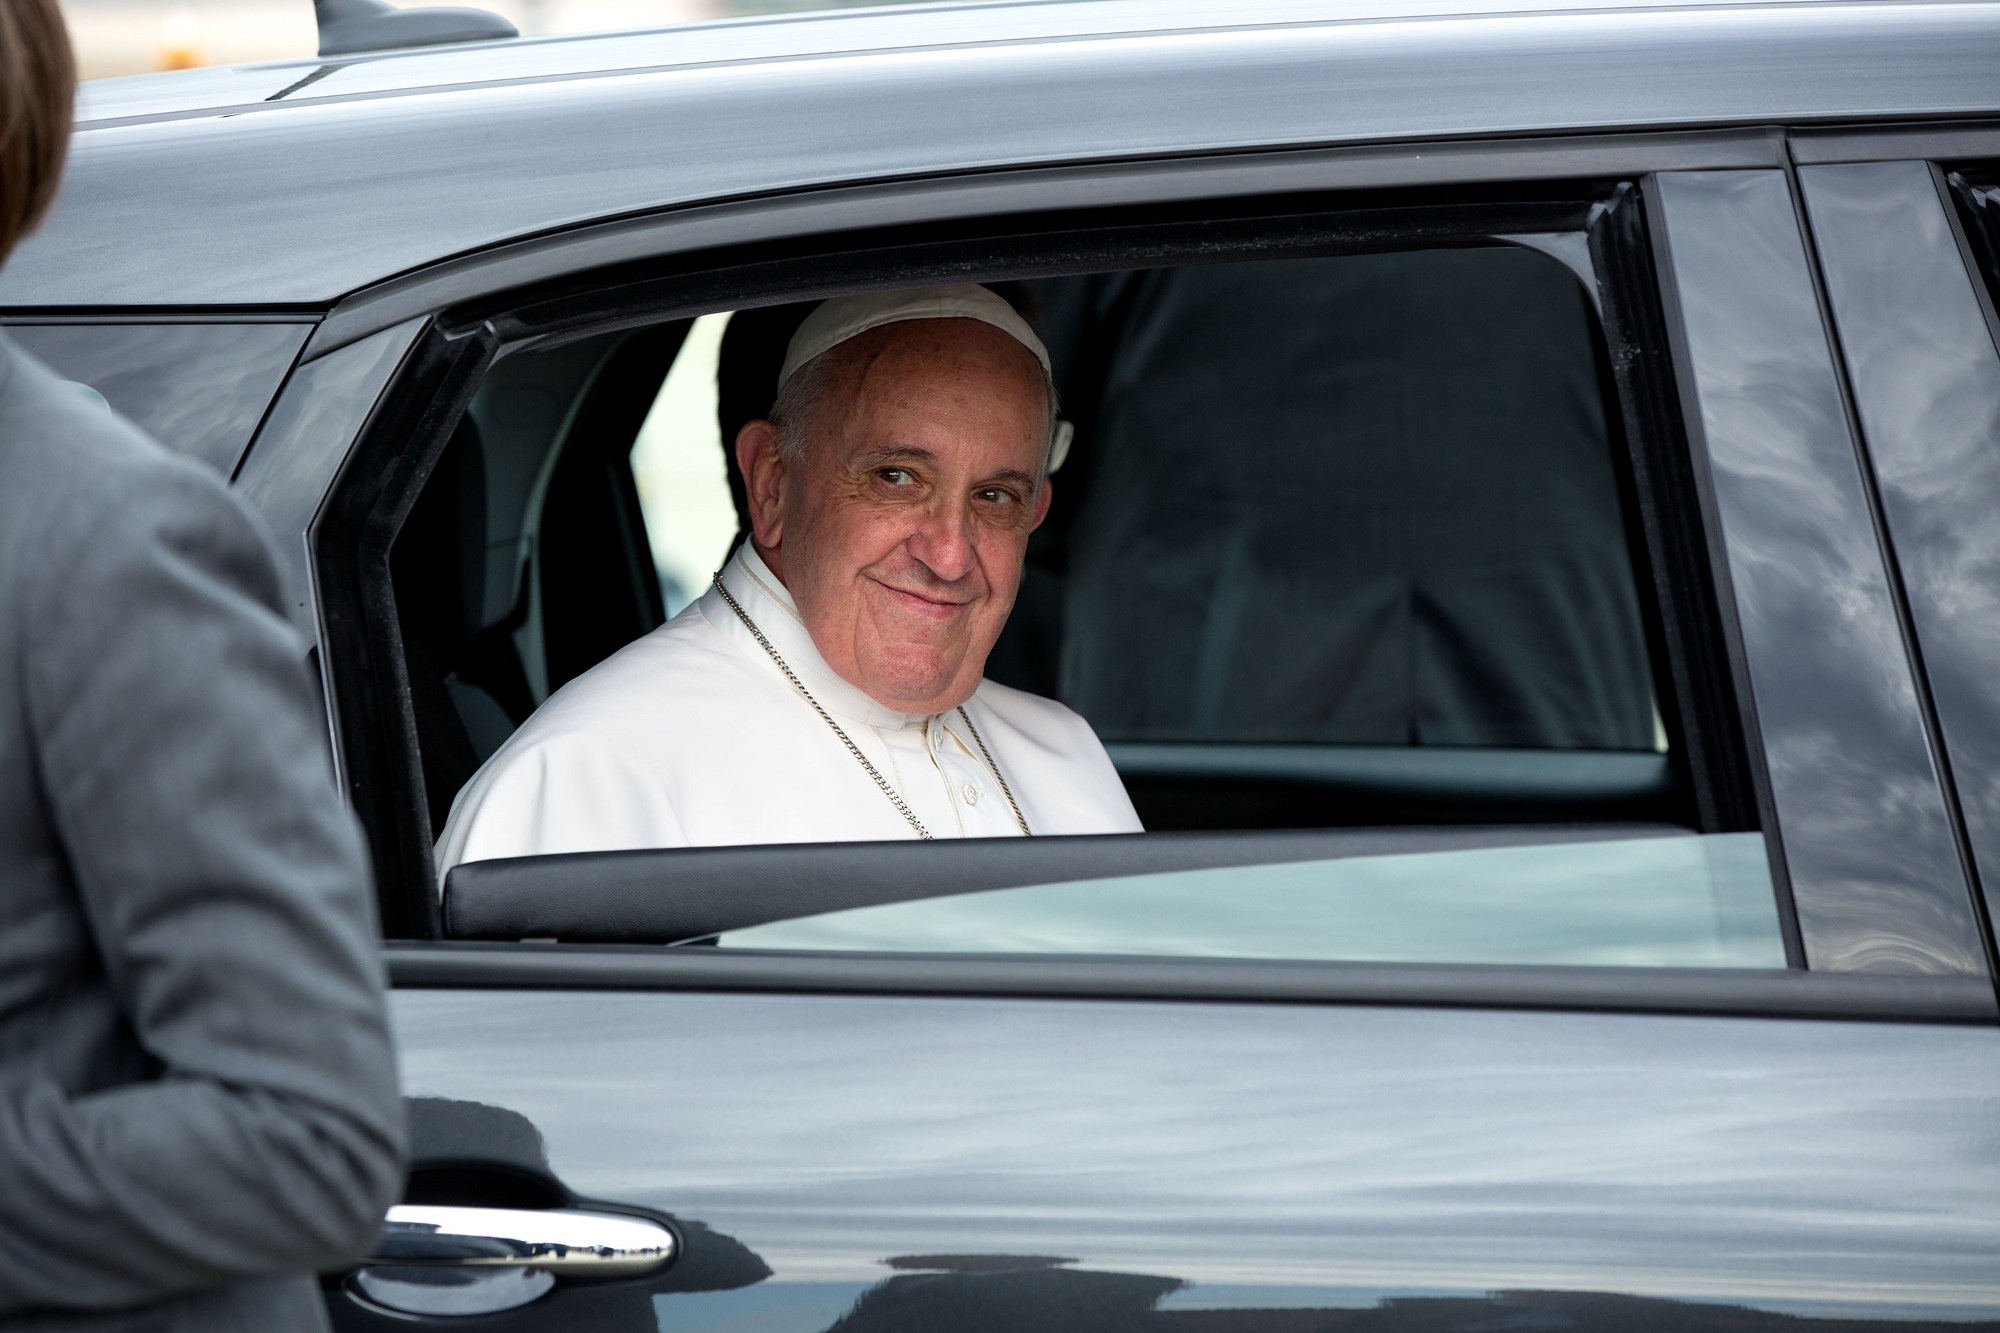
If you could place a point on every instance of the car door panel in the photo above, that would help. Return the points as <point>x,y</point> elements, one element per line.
<point>902,1162</point>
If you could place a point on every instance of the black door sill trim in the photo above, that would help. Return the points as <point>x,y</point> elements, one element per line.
<point>1759,994</point>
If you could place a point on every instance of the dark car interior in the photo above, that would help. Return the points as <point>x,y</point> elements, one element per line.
<point>1342,542</point>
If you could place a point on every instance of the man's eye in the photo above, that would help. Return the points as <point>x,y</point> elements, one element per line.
<point>895,476</point>
<point>993,495</point>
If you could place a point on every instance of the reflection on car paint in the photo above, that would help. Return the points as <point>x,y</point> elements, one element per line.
<point>1927,388</point>
<point>1133,1303</point>
<point>1783,1166</point>
<point>1869,848</point>
<point>198,388</point>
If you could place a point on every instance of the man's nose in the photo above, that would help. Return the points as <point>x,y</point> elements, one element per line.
<point>943,541</point>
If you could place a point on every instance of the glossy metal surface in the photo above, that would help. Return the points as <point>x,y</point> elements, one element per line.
<point>1064,1164</point>
<point>323,196</point>
<point>198,388</point>
<point>560,1241</point>
<point>1920,354</point>
<point>432,1291</point>
<point>296,455</point>
<point>1875,872</point>
<point>901,27</point>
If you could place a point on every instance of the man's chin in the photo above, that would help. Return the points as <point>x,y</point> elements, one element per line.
<point>922,686</point>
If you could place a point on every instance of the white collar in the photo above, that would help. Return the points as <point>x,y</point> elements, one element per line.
<point>767,601</point>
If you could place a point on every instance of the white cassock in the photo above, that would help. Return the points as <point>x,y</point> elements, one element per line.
<point>692,737</point>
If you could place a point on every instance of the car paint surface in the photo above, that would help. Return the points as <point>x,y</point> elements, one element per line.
<point>1253,1157</point>
<point>922,1161</point>
<point>325,197</point>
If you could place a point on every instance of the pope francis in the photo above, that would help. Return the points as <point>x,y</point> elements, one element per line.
<point>828,685</point>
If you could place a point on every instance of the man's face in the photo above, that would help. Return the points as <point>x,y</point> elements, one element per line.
<point>900,533</point>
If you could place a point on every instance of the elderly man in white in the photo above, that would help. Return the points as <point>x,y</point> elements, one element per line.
<point>829,685</point>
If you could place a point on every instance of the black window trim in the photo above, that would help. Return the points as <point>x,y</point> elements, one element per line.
<point>383,473</point>
<point>1946,141</point>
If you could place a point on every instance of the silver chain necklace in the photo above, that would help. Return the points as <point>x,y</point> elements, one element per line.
<point>901,807</point>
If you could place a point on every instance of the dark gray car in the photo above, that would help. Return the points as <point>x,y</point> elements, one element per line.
<point>1531,546</point>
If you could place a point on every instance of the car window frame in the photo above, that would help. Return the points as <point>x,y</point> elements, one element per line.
<point>365,338</point>
<point>450,357</point>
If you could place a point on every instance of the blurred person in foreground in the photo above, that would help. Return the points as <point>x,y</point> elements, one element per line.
<point>198,1105</point>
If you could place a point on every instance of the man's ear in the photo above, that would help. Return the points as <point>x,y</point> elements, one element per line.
<point>1042,498</point>
<point>763,469</point>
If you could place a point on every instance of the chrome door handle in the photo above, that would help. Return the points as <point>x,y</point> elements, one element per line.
<point>559,1242</point>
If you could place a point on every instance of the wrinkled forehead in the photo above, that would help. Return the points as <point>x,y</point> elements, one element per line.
<point>962,352</point>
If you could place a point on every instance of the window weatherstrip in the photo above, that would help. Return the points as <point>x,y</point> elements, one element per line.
<point>1748,994</point>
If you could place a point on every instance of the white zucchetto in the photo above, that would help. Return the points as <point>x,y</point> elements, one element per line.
<point>834,321</point>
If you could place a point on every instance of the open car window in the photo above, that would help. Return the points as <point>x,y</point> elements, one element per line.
<point>1347,547</point>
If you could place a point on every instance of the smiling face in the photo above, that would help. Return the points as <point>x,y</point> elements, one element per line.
<point>900,527</point>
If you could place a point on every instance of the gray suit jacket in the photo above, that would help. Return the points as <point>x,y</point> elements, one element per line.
<point>197,1102</point>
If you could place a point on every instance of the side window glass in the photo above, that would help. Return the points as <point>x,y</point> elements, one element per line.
<point>1362,500</point>
<point>1343,563</point>
<point>1334,524</point>
<point>199,389</point>
<point>1652,901</point>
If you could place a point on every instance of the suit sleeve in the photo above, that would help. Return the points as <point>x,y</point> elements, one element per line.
<point>184,768</point>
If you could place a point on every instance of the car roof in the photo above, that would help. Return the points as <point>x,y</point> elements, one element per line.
<point>325,177</point>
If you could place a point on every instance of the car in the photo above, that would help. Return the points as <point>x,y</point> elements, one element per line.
<point>1531,545</point>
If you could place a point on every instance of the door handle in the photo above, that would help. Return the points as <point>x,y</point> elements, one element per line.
<point>559,1242</point>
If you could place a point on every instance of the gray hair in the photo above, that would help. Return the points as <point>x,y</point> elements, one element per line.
<point>814,382</point>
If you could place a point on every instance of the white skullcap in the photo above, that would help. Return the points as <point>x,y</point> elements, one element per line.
<point>844,317</point>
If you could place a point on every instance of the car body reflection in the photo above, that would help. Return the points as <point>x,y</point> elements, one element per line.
<point>1763,1163</point>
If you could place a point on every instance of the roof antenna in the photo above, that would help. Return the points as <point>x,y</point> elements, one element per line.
<point>348,26</point>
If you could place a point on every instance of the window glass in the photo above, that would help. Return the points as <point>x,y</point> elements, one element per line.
<point>1659,901</point>
<point>1368,499</point>
<point>199,389</point>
